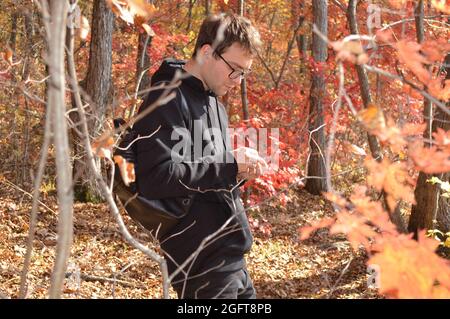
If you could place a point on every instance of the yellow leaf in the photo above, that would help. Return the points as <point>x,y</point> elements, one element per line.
<point>447,242</point>
<point>85,28</point>
<point>148,29</point>
<point>441,5</point>
<point>372,117</point>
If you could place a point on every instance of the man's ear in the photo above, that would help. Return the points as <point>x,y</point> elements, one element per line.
<point>206,50</point>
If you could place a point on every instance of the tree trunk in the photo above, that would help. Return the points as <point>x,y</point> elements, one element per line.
<point>443,213</point>
<point>243,82</point>
<point>189,23</point>
<point>302,43</point>
<point>374,145</point>
<point>56,105</point>
<point>430,205</point>
<point>424,212</point>
<point>363,80</point>
<point>316,164</point>
<point>98,79</point>
<point>143,62</point>
<point>207,7</point>
<point>13,34</point>
<point>98,86</point>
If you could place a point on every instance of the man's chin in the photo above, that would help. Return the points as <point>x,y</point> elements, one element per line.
<point>221,92</point>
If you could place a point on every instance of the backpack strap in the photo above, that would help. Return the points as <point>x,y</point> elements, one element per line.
<point>184,106</point>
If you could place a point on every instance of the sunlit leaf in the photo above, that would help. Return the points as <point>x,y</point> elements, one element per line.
<point>8,56</point>
<point>411,269</point>
<point>126,169</point>
<point>84,28</point>
<point>393,178</point>
<point>148,29</point>
<point>441,5</point>
<point>102,146</point>
<point>409,53</point>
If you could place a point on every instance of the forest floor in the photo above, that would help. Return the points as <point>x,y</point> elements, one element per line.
<point>280,264</point>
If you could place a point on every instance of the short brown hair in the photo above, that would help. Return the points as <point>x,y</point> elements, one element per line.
<point>233,28</point>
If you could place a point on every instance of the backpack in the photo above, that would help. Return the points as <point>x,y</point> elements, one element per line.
<point>158,216</point>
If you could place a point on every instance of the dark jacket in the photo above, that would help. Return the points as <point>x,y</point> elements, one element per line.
<point>161,175</point>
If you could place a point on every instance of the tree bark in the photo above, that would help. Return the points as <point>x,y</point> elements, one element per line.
<point>98,79</point>
<point>207,7</point>
<point>56,104</point>
<point>424,212</point>
<point>189,23</point>
<point>143,62</point>
<point>374,145</point>
<point>98,86</point>
<point>443,213</point>
<point>316,164</point>
<point>13,34</point>
<point>243,82</point>
<point>301,40</point>
<point>363,80</point>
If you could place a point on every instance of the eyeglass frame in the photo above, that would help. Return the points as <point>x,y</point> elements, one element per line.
<point>242,74</point>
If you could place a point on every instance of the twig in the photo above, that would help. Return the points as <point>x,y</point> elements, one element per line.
<point>35,196</point>
<point>26,193</point>
<point>330,293</point>
<point>87,277</point>
<point>415,87</point>
<point>104,187</point>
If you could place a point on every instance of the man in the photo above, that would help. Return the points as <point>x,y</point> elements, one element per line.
<point>216,219</point>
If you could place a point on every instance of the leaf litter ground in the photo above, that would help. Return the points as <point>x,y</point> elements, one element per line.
<point>281,266</point>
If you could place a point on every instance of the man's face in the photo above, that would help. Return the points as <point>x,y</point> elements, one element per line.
<point>217,70</point>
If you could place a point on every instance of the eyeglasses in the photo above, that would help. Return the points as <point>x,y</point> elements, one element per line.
<point>234,74</point>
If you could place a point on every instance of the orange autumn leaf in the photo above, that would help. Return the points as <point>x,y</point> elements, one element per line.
<point>351,51</point>
<point>8,56</point>
<point>406,88</point>
<point>430,160</point>
<point>355,227</point>
<point>141,8</point>
<point>132,11</point>
<point>126,170</point>
<point>441,92</point>
<point>393,178</point>
<point>411,269</point>
<point>335,198</point>
<point>409,53</point>
<point>409,129</point>
<point>435,50</point>
<point>442,139</point>
<point>102,147</point>
<point>372,210</point>
<point>398,4</point>
<point>306,231</point>
<point>372,117</point>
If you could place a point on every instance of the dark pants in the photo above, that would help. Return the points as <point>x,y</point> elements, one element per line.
<point>221,285</point>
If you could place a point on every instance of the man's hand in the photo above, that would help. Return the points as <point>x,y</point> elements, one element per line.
<point>250,164</point>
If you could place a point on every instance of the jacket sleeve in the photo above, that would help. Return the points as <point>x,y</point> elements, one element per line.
<point>161,173</point>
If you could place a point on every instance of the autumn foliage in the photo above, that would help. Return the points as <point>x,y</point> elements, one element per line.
<point>278,92</point>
